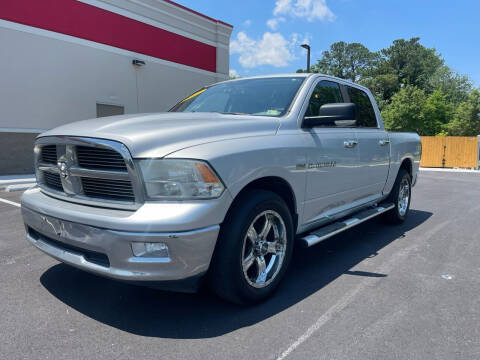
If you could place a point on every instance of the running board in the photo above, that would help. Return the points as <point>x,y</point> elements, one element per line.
<point>325,232</point>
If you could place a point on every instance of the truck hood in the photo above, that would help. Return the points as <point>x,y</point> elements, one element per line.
<point>157,135</point>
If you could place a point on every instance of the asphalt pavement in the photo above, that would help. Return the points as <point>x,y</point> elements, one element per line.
<point>375,292</point>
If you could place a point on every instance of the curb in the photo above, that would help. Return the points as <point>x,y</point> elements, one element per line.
<point>470,171</point>
<point>10,180</point>
<point>18,187</point>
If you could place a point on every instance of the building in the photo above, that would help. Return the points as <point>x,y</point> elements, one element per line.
<point>69,60</point>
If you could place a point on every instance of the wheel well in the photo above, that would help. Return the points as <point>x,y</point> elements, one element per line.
<point>407,165</point>
<point>276,185</point>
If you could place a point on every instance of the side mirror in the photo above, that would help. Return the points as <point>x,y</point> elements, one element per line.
<point>335,114</point>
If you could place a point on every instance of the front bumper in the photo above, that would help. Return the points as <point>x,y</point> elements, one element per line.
<point>108,252</point>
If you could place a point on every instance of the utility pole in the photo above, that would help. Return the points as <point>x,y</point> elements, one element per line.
<point>306,46</point>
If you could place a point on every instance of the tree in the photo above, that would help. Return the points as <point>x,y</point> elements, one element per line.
<point>411,62</point>
<point>345,60</point>
<point>412,110</point>
<point>405,62</point>
<point>456,87</point>
<point>466,119</point>
<point>403,112</point>
<point>436,113</point>
<point>413,87</point>
<point>383,87</point>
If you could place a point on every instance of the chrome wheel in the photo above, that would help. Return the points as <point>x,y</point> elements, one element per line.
<point>264,248</point>
<point>403,197</point>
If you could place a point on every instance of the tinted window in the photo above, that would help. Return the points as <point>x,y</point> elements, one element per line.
<point>326,92</point>
<point>262,97</point>
<point>365,113</point>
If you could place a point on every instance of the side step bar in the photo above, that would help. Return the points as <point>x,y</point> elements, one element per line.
<point>325,232</point>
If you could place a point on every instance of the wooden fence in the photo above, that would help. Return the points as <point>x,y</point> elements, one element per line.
<point>450,151</point>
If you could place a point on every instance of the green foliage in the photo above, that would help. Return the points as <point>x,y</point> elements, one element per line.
<point>405,62</point>
<point>383,87</point>
<point>466,119</point>
<point>436,113</point>
<point>412,110</point>
<point>344,60</point>
<point>456,87</point>
<point>403,112</point>
<point>411,62</point>
<point>413,87</point>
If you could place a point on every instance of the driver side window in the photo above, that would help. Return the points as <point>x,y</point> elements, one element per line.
<point>326,92</point>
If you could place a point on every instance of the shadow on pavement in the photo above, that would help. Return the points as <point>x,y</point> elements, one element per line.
<point>148,312</point>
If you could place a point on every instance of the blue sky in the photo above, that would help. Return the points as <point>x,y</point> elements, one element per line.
<point>258,47</point>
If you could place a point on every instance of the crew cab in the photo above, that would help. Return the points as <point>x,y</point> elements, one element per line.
<point>221,188</point>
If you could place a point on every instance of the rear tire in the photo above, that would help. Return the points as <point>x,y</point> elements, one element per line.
<point>400,195</point>
<point>254,248</point>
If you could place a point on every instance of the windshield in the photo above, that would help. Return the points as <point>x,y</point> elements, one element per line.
<point>262,97</point>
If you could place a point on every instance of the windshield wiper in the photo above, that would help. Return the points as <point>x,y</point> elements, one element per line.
<point>234,113</point>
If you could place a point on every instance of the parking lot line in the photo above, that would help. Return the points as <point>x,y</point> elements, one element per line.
<point>322,320</point>
<point>349,297</point>
<point>9,202</point>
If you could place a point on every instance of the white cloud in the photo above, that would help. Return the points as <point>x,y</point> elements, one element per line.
<point>233,73</point>
<point>308,9</point>
<point>272,49</point>
<point>247,23</point>
<point>275,22</point>
<point>297,39</point>
<point>282,7</point>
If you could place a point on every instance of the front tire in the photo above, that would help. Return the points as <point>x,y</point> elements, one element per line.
<point>400,195</point>
<point>254,248</point>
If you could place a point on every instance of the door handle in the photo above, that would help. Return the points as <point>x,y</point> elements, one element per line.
<point>350,143</point>
<point>384,142</point>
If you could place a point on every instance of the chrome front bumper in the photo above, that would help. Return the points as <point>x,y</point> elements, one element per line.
<point>109,252</point>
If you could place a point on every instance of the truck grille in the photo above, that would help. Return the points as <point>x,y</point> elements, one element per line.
<point>53,181</point>
<point>49,154</point>
<point>92,174</point>
<point>108,189</point>
<point>101,159</point>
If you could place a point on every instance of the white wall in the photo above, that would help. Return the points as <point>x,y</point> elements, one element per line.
<point>47,82</point>
<point>49,79</point>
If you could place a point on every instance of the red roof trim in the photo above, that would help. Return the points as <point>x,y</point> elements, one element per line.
<point>84,21</point>
<point>198,13</point>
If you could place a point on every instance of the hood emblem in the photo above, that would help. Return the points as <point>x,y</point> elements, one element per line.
<point>63,167</point>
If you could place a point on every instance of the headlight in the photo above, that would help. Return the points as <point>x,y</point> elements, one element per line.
<point>179,179</point>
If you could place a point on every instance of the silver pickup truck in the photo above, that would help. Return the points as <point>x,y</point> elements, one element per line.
<point>222,187</point>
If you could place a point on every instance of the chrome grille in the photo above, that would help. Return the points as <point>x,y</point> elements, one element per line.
<point>89,171</point>
<point>99,158</point>
<point>53,180</point>
<point>110,189</point>
<point>49,154</point>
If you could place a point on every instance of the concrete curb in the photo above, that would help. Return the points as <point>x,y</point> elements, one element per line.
<point>11,182</point>
<point>19,187</point>
<point>471,171</point>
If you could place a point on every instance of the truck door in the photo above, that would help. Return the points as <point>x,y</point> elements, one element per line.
<point>373,147</point>
<point>332,159</point>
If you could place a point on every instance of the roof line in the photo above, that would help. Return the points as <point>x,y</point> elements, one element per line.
<point>198,13</point>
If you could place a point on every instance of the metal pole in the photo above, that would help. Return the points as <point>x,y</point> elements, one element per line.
<point>306,46</point>
<point>308,59</point>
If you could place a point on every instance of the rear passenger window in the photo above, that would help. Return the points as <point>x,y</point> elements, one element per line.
<point>326,92</point>
<point>365,113</point>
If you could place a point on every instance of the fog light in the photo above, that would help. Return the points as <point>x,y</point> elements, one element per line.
<point>141,249</point>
